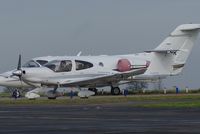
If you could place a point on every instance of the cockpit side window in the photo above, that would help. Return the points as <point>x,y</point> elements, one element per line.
<point>31,64</point>
<point>42,62</point>
<point>60,66</point>
<point>80,65</point>
<point>65,66</point>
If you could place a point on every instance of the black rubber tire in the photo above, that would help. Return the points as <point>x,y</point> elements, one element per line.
<point>51,95</point>
<point>52,98</point>
<point>16,94</point>
<point>115,90</point>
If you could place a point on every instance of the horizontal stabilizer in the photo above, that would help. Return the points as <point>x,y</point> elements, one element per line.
<point>163,51</point>
<point>189,27</point>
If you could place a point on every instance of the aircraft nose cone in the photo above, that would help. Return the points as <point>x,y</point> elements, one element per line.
<point>17,72</point>
<point>10,81</point>
<point>3,80</point>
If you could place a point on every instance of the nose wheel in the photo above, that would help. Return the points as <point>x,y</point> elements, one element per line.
<point>115,90</point>
<point>16,94</point>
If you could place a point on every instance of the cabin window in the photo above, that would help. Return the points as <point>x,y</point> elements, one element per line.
<point>65,66</point>
<point>60,66</point>
<point>80,65</point>
<point>101,64</point>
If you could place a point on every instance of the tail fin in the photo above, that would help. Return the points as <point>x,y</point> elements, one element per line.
<point>170,56</point>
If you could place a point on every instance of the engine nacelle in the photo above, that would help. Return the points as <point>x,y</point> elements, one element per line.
<point>123,65</point>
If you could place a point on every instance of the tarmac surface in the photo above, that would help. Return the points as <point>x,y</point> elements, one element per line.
<point>97,119</point>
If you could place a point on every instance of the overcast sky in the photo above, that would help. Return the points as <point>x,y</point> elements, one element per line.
<point>65,27</point>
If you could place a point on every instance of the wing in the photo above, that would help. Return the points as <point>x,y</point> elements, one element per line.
<point>103,79</point>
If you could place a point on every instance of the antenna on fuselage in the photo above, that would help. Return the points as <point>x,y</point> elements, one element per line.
<point>79,54</point>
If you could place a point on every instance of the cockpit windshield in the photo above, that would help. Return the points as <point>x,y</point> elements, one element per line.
<point>60,66</point>
<point>42,62</point>
<point>31,64</point>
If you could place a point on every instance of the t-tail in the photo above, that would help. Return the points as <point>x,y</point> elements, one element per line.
<point>170,56</point>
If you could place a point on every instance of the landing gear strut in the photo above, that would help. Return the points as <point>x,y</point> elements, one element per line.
<point>115,90</point>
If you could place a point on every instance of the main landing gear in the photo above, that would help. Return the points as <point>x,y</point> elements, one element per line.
<point>52,94</point>
<point>115,90</point>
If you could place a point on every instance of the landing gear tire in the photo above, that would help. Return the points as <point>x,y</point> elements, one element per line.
<point>51,95</point>
<point>115,90</point>
<point>51,98</point>
<point>93,90</point>
<point>16,94</point>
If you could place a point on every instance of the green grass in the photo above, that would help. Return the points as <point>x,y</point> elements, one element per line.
<point>155,101</point>
<point>3,94</point>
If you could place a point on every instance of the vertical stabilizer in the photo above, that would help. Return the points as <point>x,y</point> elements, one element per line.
<point>171,55</point>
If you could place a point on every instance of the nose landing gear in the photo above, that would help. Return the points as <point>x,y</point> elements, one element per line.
<point>16,94</point>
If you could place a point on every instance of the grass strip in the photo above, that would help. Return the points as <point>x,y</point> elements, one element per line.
<point>182,100</point>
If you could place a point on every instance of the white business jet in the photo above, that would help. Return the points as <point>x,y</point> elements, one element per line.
<point>91,72</point>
